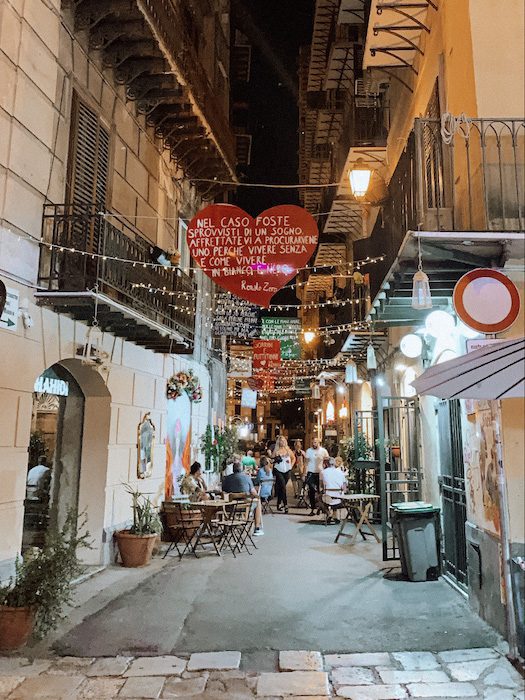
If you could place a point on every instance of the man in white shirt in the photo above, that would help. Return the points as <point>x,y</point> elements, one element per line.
<point>315,456</point>
<point>334,483</point>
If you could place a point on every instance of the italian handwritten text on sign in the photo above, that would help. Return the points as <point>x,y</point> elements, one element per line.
<point>286,330</point>
<point>266,354</point>
<point>235,317</point>
<point>252,258</point>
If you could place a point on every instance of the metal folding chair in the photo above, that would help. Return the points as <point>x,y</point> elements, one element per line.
<point>181,526</point>
<point>266,500</point>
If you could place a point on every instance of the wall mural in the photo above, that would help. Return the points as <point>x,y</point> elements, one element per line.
<point>183,389</point>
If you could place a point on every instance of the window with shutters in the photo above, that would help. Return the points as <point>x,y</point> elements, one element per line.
<point>88,169</point>
<point>433,155</point>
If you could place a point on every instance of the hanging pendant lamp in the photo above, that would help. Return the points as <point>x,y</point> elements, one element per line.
<point>421,297</point>
<point>316,391</point>
<point>351,372</point>
<point>371,360</point>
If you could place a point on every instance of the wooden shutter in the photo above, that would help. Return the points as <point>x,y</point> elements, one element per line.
<point>88,168</point>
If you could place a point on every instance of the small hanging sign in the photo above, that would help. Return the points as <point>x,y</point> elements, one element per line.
<point>287,330</point>
<point>266,354</point>
<point>252,258</point>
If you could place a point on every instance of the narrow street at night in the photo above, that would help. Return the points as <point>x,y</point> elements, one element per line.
<point>262,349</point>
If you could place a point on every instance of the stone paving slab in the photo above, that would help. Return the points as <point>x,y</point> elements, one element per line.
<point>379,659</point>
<point>142,687</point>
<point>216,660</point>
<point>458,655</point>
<point>300,661</point>
<point>47,686</point>
<point>156,666</point>
<point>442,690</point>
<point>218,676</point>
<point>293,683</point>
<point>417,660</point>
<point>373,692</point>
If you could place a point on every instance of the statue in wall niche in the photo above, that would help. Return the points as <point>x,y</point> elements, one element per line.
<point>145,447</point>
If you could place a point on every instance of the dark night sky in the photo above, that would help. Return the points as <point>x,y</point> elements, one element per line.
<point>273,120</point>
<point>273,116</point>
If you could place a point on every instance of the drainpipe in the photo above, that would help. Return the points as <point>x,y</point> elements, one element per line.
<point>512,636</point>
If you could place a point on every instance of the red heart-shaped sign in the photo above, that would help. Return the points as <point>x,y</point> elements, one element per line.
<point>252,258</point>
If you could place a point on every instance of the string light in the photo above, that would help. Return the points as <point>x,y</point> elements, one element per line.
<point>354,265</point>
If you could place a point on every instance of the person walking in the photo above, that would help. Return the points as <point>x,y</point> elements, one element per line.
<point>315,456</point>
<point>300,459</point>
<point>283,461</point>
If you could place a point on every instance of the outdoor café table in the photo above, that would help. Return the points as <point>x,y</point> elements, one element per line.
<point>209,511</point>
<point>358,508</point>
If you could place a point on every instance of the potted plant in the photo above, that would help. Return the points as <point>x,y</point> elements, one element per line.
<point>136,544</point>
<point>395,447</point>
<point>33,599</point>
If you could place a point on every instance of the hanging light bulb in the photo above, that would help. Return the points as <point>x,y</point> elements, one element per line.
<point>371,361</point>
<point>421,297</point>
<point>351,372</point>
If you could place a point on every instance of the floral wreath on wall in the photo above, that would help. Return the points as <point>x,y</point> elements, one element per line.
<point>184,382</point>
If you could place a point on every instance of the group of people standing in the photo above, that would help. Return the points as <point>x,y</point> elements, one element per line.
<point>283,461</point>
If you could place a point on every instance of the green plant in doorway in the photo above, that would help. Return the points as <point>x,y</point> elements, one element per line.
<point>355,447</point>
<point>42,583</point>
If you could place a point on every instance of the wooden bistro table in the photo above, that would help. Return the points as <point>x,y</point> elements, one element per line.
<point>209,511</point>
<point>358,508</point>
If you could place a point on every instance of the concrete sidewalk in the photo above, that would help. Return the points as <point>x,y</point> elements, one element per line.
<point>465,673</point>
<point>299,590</point>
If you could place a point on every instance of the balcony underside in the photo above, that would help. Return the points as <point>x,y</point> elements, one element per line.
<point>149,48</point>
<point>116,319</point>
<point>446,258</point>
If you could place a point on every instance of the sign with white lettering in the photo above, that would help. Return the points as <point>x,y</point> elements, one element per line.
<point>266,354</point>
<point>235,317</point>
<point>49,383</point>
<point>286,330</point>
<point>252,258</point>
<point>9,318</point>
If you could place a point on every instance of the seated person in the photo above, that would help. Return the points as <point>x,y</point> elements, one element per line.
<point>239,482</point>
<point>248,461</point>
<point>265,479</point>
<point>333,480</point>
<point>193,484</point>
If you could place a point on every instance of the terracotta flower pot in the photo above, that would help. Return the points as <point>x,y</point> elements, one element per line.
<point>16,625</point>
<point>396,451</point>
<point>135,550</point>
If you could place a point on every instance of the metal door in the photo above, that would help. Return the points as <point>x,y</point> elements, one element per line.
<point>453,496</point>
<point>393,439</point>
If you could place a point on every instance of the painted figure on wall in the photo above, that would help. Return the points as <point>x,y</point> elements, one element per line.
<point>183,389</point>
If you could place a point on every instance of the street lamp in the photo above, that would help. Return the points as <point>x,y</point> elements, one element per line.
<point>308,337</point>
<point>359,177</point>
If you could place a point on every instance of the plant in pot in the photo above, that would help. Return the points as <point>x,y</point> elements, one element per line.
<point>33,599</point>
<point>136,544</point>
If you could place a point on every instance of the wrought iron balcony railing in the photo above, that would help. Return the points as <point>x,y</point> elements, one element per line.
<point>475,183</point>
<point>103,244</point>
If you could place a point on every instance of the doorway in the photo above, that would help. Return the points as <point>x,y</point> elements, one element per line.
<point>54,456</point>
<point>453,495</point>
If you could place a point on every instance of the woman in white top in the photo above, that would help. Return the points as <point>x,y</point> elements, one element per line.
<point>283,461</point>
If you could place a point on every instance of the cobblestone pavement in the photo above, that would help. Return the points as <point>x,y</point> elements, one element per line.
<point>482,673</point>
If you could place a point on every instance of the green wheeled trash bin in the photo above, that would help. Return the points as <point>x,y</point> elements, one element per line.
<point>417,529</point>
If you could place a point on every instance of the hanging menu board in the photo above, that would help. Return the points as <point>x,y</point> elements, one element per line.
<point>266,354</point>
<point>235,317</point>
<point>287,331</point>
